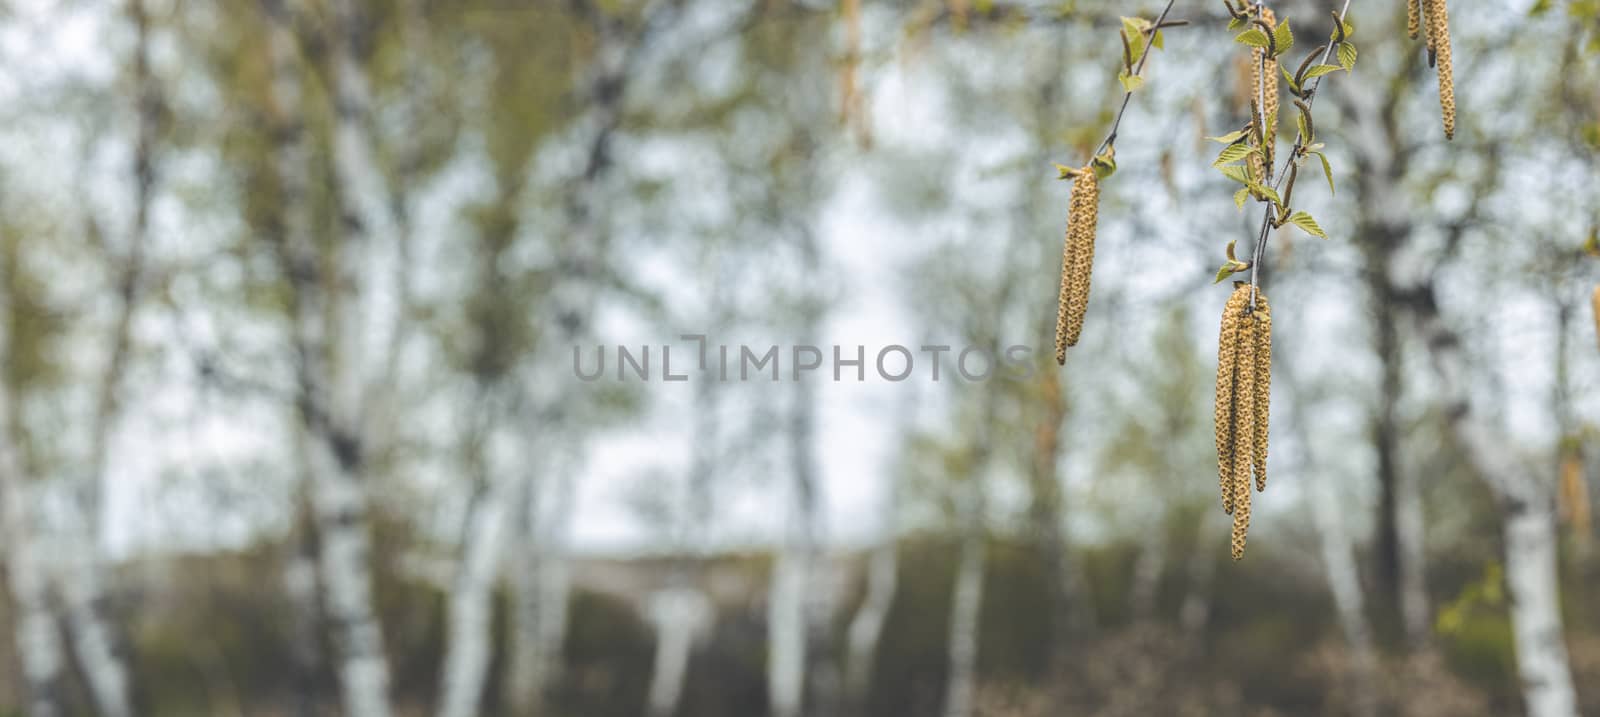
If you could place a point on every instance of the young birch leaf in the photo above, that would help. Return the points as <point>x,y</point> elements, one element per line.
<point>1267,192</point>
<point>1321,70</point>
<point>1327,169</point>
<point>1233,153</point>
<point>1229,268</point>
<point>1157,41</point>
<point>1347,56</point>
<point>1240,196</point>
<point>1235,23</point>
<point>1253,37</point>
<point>1130,83</point>
<point>1230,137</point>
<point>1288,78</point>
<point>1236,172</point>
<point>1305,222</point>
<point>1283,37</point>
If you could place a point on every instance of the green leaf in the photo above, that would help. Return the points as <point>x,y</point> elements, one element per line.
<point>1288,78</point>
<point>1305,222</point>
<point>1133,28</point>
<point>1229,268</point>
<point>1233,153</point>
<point>1284,38</point>
<point>1267,192</point>
<point>1235,23</point>
<point>1130,83</point>
<point>1158,41</point>
<point>1347,56</point>
<point>1240,196</point>
<point>1230,137</point>
<point>1236,172</point>
<point>1105,164</point>
<point>1327,170</point>
<point>1253,37</point>
<point>1067,172</point>
<point>1320,70</point>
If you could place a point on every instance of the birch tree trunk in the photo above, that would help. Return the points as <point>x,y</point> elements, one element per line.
<point>328,395</point>
<point>37,641</point>
<point>95,639</point>
<point>541,586</point>
<point>1527,517</point>
<point>966,604</point>
<point>471,609</point>
<point>1195,613</point>
<point>786,610</point>
<point>1338,560</point>
<point>883,566</point>
<point>681,617</point>
<point>1526,501</point>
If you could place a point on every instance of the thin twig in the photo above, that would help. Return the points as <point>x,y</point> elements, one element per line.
<point>1260,252</point>
<point>1137,69</point>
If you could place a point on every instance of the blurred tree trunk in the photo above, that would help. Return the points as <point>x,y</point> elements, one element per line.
<point>1195,612</point>
<point>786,612</point>
<point>680,616</point>
<point>1527,515</point>
<point>541,585</point>
<point>966,607</point>
<point>883,565</point>
<point>329,380</point>
<point>1338,554</point>
<point>34,632</point>
<point>470,614</point>
<point>1408,291</point>
<point>1401,564</point>
<point>95,639</point>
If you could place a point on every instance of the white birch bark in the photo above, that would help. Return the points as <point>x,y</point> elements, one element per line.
<point>681,618</point>
<point>965,608</point>
<point>786,633</point>
<point>327,401</point>
<point>471,611</point>
<point>37,641</point>
<point>95,639</point>
<point>883,572</point>
<point>966,605</point>
<point>1526,501</point>
<point>1338,562</point>
<point>1527,517</point>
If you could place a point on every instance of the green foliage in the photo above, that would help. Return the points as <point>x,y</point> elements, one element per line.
<point>1306,223</point>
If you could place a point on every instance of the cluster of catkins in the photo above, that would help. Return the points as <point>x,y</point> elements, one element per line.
<point>1263,103</point>
<point>1244,390</point>
<point>1077,258</point>
<point>1431,17</point>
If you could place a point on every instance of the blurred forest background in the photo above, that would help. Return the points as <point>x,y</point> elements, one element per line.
<point>289,422</point>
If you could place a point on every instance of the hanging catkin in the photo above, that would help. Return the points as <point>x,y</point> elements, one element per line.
<point>1227,374</point>
<point>1244,429</point>
<point>1413,18</point>
<point>1263,385</point>
<point>1077,260</point>
<point>1244,390</point>
<point>1438,19</point>
<point>1264,91</point>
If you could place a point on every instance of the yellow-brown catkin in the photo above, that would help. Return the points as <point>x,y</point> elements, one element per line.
<point>1596,301</point>
<point>1264,86</point>
<point>1244,427</point>
<point>1413,19</point>
<point>1438,17</point>
<point>1263,386</point>
<point>1227,376</point>
<point>1077,260</point>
